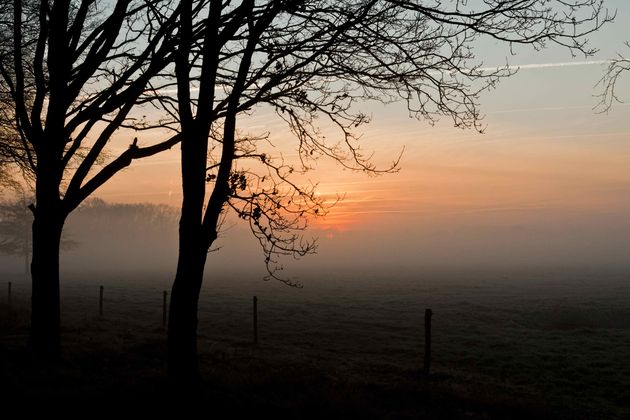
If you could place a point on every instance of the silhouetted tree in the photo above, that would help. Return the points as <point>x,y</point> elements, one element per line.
<point>15,231</point>
<point>313,61</point>
<point>74,72</point>
<point>12,154</point>
<point>608,83</point>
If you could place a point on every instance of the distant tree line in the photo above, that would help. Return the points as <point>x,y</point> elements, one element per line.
<point>136,231</point>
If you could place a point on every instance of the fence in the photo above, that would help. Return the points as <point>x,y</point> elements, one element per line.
<point>426,366</point>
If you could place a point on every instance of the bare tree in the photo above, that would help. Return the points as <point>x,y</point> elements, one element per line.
<point>608,83</point>
<point>15,231</point>
<point>313,62</point>
<point>74,73</point>
<point>12,154</point>
<point>15,238</point>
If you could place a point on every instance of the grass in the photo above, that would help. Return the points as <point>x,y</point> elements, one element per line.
<point>546,348</point>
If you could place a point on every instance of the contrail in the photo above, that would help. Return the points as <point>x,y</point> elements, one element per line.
<point>533,66</point>
<point>565,64</point>
<point>536,66</point>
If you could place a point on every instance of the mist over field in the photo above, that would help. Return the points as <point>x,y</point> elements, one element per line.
<point>142,238</point>
<point>531,319</point>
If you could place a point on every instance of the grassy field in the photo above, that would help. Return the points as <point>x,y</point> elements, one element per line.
<point>521,345</point>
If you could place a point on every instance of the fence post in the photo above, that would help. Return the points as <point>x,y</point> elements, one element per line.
<point>9,296</point>
<point>100,302</point>
<point>427,340</point>
<point>164,295</point>
<point>255,320</point>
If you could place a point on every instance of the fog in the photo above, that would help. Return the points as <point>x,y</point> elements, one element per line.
<point>142,238</point>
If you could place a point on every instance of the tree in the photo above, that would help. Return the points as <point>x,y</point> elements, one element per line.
<point>15,231</point>
<point>608,83</point>
<point>75,72</point>
<point>12,156</point>
<point>15,222</point>
<point>313,62</point>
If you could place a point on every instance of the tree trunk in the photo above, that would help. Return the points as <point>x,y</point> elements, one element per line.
<point>183,368</point>
<point>182,325</point>
<point>46,313</point>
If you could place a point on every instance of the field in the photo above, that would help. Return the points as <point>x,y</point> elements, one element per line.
<point>547,344</point>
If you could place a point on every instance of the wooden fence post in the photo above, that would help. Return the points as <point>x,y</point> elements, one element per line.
<point>427,340</point>
<point>255,320</point>
<point>164,295</point>
<point>100,302</point>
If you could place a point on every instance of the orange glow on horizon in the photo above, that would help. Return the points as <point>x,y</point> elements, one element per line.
<point>523,169</point>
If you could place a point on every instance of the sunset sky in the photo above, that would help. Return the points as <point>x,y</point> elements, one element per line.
<point>548,183</point>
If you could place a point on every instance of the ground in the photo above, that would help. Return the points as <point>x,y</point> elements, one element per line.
<point>501,350</point>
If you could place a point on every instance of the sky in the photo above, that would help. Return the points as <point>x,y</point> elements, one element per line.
<point>547,183</point>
